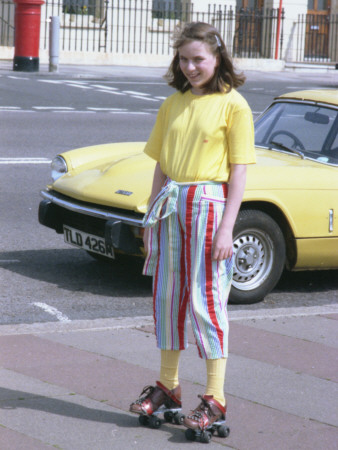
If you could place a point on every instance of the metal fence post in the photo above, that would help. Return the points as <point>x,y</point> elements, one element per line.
<point>54,35</point>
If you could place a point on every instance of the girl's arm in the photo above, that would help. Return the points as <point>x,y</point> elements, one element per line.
<point>158,181</point>
<point>222,244</point>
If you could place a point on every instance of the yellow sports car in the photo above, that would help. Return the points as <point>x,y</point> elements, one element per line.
<point>289,214</point>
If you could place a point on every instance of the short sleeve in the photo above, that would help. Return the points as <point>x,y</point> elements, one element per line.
<point>154,144</point>
<point>240,136</point>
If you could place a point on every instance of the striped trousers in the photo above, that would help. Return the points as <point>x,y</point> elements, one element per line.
<point>183,220</point>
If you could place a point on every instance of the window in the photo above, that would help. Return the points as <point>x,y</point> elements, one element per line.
<point>167,9</point>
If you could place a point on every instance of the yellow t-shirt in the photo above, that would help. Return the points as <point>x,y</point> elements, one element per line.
<point>196,138</point>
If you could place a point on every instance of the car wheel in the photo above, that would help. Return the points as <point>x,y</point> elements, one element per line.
<point>259,256</point>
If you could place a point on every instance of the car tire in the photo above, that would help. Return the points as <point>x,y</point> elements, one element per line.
<point>259,256</point>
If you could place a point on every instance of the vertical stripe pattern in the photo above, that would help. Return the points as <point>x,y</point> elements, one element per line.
<point>184,276</point>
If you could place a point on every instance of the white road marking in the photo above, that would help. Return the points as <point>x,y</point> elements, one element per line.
<point>17,78</point>
<point>74,112</point>
<point>100,86</point>
<point>106,109</point>
<point>129,112</point>
<point>53,107</point>
<point>73,81</point>
<point>9,108</point>
<point>111,92</point>
<point>135,93</point>
<point>160,98</point>
<point>79,86</point>
<point>51,81</point>
<point>25,161</point>
<point>145,98</point>
<point>53,311</point>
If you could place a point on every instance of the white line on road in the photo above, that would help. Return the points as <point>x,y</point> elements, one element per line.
<point>129,112</point>
<point>106,109</point>
<point>17,78</point>
<point>136,93</point>
<point>73,112</point>
<point>79,86</point>
<point>67,108</point>
<point>9,108</point>
<point>111,92</point>
<point>53,311</point>
<point>100,86</point>
<point>145,98</point>
<point>51,81</point>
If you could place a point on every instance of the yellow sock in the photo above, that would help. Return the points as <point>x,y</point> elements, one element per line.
<point>169,368</point>
<point>215,379</point>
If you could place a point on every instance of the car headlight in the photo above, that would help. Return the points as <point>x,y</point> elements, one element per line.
<point>59,167</point>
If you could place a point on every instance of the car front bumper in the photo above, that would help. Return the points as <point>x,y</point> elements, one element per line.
<point>120,229</point>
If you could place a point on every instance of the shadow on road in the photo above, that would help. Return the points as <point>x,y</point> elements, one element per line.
<point>74,270</point>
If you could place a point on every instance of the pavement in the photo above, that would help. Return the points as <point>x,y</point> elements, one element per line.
<point>68,385</point>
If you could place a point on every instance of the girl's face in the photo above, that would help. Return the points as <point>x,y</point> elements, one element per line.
<point>198,64</point>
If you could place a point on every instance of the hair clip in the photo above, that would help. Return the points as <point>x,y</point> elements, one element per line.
<point>218,41</point>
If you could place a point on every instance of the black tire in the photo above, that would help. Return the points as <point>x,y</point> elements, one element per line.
<point>154,422</point>
<point>169,416</point>
<point>190,434</point>
<point>259,252</point>
<point>223,431</point>
<point>206,437</point>
<point>179,418</point>
<point>143,420</point>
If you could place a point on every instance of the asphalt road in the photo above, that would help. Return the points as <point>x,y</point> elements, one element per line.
<point>42,279</point>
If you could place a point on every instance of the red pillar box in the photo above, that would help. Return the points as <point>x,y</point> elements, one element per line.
<point>27,35</point>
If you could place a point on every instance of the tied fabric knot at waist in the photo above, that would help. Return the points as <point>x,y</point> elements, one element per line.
<point>166,197</point>
<point>165,203</point>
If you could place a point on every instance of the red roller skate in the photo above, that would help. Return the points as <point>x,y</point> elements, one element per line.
<point>158,400</point>
<point>205,420</point>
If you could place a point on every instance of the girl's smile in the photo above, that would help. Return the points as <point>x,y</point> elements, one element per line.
<point>198,64</point>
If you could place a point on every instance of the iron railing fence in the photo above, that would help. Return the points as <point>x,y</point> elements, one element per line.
<point>146,27</point>
<point>6,23</point>
<point>317,38</point>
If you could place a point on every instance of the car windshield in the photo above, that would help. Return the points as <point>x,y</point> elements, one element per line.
<point>308,130</point>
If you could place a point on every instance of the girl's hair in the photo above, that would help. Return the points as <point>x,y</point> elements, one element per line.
<point>225,77</point>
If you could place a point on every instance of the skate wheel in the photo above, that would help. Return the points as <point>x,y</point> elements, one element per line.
<point>154,422</point>
<point>223,431</point>
<point>143,420</point>
<point>206,437</point>
<point>178,418</point>
<point>168,416</point>
<point>190,434</point>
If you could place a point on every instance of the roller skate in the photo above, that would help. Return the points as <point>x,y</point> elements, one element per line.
<point>158,400</point>
<point>205,420</point>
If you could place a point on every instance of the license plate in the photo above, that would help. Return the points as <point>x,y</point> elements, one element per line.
<point>87,241</point>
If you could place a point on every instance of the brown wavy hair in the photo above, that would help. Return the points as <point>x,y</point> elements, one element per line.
<point>225,77</point>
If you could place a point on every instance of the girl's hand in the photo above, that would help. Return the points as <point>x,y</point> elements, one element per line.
<point>222,245</point>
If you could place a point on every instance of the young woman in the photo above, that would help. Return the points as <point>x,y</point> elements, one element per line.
<point>202,141</point>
